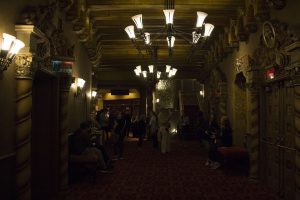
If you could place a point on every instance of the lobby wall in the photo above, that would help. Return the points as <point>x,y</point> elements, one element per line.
<point>235,99</point>
<point>78,109</point>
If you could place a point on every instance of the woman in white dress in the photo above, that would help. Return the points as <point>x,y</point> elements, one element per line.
<point>164,132</point>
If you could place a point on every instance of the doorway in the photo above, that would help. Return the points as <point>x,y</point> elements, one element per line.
<point>278,138</point>
<point>45,136</point>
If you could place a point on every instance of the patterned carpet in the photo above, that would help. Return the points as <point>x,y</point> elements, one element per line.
<point>180,175</point>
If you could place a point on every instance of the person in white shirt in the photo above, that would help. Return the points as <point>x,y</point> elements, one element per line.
<point>164,132</point>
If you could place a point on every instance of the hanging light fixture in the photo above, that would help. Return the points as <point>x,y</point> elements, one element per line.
<point>154,74</point>
<point>130,31</point>
<point>147,39</point>
<point>138,20</point>
<point>94,94</point>
<point>169,14</point>
<point>171,41</point>
<point>203,30</point>
<point>10,47</point>
<point>200,18</point>
<point>208,29</point>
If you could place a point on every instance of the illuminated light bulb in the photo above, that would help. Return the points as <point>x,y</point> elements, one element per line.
<point>130,31</point>
<point>169,14</point>
<point>208,29</point>
<point>138,20</point>
<point>200,18</point>
<point>151,68</point>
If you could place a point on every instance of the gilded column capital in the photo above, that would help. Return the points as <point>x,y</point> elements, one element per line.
<point>24,67</point>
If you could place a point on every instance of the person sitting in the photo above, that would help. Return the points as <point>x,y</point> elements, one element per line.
<point>224,140</point>
<point>80,144</point>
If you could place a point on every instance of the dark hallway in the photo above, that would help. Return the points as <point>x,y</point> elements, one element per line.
<point>79,74</point>
<point>180,175</point>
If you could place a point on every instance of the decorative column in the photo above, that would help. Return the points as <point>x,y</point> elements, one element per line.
<point>297,132</point>
<point>65,81</point>
<point>24,73</point>
<point>24,78</point>
<point>253,123</point>
<point>223,99</point>
<point>150,89</point>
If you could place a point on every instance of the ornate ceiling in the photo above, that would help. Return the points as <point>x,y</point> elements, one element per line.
<point>100,25</point>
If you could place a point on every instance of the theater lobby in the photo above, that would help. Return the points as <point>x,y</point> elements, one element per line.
<point>167,99</point>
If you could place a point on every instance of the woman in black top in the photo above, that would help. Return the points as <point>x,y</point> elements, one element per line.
<point>119,134</point>
<point>226,132</point>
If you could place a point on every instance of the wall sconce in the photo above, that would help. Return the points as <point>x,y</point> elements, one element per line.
<point>10,47</point>
<point>201,93</point>
<point>94,94</point>
<point>80,85</point>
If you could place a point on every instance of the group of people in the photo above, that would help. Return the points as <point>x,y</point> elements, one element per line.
<point>158,126</point>
<point>214,135</point>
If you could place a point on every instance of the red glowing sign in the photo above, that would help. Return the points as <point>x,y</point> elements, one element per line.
<point>271,73</point>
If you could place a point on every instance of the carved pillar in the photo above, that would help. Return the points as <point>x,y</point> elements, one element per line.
<point>24,77</point>
<point>223,99</point>
<point>253,123</point>
<point>297,132</point>
<point>65,81</point>
<point>25,66</point>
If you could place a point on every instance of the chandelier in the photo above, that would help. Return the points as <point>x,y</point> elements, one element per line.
<point>154,74</point>
<point>201,31</point>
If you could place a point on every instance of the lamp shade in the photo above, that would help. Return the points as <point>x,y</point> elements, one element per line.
<point>151,68</point>
<point>200,18</point>
<point>208,29</point>
<point>168,68</point>
<point>139,69</point>
<point>130,31</point>
<point>136,71</point>
<point>80,82</point>
<point>169,14</point>
<point>17,45</point>
<point>147,38</point>
<point>7,41</point>
<point>171,41</point>
<point>196,37</point>
<point>158,74</point>
<point>173,71</point>
<point>138,20</point>
<point>145,74</point>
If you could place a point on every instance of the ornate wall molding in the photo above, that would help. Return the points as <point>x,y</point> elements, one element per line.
<point>24,66</point>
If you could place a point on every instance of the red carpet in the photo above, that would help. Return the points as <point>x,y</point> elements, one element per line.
<point>181,175</point>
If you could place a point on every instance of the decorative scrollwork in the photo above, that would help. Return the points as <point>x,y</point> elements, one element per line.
<point>24,66</point>
<point>269,34</point>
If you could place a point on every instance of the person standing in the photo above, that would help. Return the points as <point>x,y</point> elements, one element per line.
<point>213,133</point>
<point>141,129</point>
<point>201,126</point>
<point>226,132</point>
<point>127,117</point>
<point>119,134</point>
<point>164,132</point>
<point>153,128</point>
